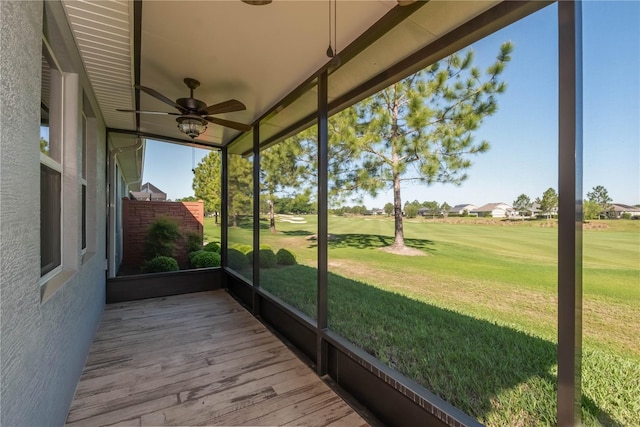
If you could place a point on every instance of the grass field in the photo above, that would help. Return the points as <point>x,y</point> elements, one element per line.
<point>474,319</point>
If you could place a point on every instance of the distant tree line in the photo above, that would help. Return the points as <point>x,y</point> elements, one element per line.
<point>596,205</point>
<point>298,204</point>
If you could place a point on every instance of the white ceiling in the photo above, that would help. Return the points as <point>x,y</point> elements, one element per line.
<point>102,30</point>
<point>256,54</point>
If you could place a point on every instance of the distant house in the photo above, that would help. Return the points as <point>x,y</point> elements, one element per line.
<point>140,195</point>
<point>429,212</point>
<point>377,211</point>
<point>495,210</point>
<point>149,192</point>
<point>458,210</point>
<point>533,210</point>
<point>617,210</point>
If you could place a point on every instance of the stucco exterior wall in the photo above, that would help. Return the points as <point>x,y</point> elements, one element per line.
<point>43,343</point>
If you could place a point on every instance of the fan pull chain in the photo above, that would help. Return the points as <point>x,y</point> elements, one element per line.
<point>335,27</point>
<point>332,52</point>
<point>329,49</point>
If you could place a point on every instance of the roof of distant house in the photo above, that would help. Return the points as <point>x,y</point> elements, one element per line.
<point>625,208</point>
<point>460,207</point>
<point>492,206</point>
<point>148,187</point>
<point>140,195</point>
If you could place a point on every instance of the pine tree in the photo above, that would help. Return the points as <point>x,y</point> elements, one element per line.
<point>341,156</point>
<point>445,209</point>
<point>549,202</point>
<point>522,204</point>
<point>388,209</point>
<point>279,170</point>
<point>419,129</point>
<point>240,182</point>
<point>207,185</point>
<point>600,195</point>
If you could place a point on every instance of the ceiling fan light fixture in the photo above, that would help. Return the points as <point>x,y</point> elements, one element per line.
<point>193,126</point>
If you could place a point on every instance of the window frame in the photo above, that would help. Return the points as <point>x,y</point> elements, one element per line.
<point>82,178</point>
<point>55,265</point>
<point>55,102</point>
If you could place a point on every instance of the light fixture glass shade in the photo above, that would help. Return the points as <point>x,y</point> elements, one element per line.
<point>192,125</point>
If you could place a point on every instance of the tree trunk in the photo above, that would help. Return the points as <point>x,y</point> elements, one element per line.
<point>215,214</point>
<point>398,240</point>
<point>272,217</point>
<point>235,219</point>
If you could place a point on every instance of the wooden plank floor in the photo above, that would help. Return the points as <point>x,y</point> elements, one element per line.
<point>198,359</point>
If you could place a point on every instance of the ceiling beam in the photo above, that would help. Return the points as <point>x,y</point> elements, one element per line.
<point>190,143</point>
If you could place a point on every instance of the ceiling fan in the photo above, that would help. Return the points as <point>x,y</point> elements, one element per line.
<point>194,114</point>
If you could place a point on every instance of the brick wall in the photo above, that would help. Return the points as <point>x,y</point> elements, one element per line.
<point>137,215</point>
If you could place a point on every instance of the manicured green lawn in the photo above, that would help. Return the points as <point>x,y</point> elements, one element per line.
<point>474,319</point>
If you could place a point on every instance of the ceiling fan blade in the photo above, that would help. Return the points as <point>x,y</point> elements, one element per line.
<point>147,112</point>
<point>161,97</point>
<point>229,124</point>
<point>225,107</point>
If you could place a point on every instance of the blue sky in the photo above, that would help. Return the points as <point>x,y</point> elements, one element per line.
<point>523,133</point>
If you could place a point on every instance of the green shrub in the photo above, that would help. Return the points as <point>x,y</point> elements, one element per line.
<point>204,259</point>
<point>265,246</point>
<point>267,258</point>
<point>626,215</point>
<point>242,248</point>
<point>161,238</point>
<point>285,257</point>
<point>236,259</point>
<point>194,242</point>
<point>249,256</point>
<point>212,247</point>
<point>160,264</point>
<point>190,257</point>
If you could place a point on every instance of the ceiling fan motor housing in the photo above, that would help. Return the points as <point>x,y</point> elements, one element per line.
<point>193,105</point>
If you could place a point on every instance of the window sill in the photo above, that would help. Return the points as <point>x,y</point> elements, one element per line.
<point>86,256</point>
<point>51,286</point>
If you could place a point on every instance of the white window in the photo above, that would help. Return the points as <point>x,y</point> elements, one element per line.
<point>83,184</point>
<point>50,166</point>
